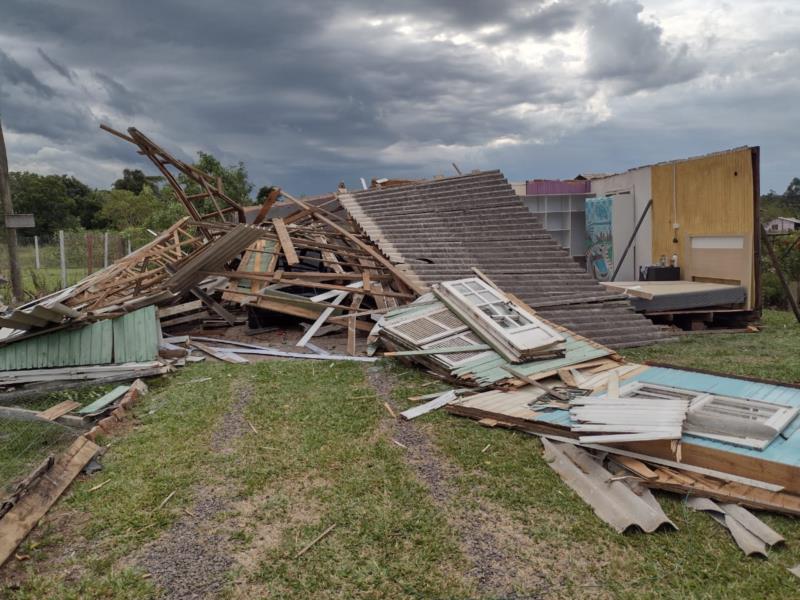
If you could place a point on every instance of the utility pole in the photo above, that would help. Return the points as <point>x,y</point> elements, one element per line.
<point>11,233</point>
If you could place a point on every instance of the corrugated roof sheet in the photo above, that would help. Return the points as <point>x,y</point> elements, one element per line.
<point>439,229</point>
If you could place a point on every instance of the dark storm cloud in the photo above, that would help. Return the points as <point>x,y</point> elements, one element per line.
<point>119,97</point>
<point>14,74</point>
<point>57,66</point>
<point>307,93</point>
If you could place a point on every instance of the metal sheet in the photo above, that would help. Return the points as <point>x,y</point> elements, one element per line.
<point>213,256</point>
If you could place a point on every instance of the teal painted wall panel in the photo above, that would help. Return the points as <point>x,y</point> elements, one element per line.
<point>130,338</point>
<point>136,336</point>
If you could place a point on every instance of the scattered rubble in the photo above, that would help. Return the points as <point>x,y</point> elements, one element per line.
<point>345,265</point>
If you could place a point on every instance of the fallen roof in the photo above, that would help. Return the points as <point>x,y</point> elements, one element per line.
<point>439,229</point>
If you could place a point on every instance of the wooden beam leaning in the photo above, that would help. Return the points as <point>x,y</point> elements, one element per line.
<point>269,202</point>
<point>286,241</point>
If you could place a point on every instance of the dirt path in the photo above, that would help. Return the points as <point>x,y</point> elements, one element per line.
<point>501,557</point>
<point>193,559</point>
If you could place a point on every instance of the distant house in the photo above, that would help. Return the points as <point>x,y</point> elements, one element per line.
<point>782,225</point>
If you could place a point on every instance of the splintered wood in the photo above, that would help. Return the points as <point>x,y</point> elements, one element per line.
<point>281,263</point>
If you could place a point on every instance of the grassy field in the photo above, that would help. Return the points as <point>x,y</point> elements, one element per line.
<point>265,457</point>
<point>770,354</point>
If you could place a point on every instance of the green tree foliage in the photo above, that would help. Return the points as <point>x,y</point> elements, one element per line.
<point>793,189</point>
<point>167,210</point>
<point>49,198</point>
<point>235,182</point>
<point>787,249</point>
<point>775,205</point>
<point>135,200</point>
<point>134,181</point>
<point>87,203</point>
<point>126,210</point>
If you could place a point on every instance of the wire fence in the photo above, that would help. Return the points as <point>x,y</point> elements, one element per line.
<point>26,440</point>
<point>49,263</point>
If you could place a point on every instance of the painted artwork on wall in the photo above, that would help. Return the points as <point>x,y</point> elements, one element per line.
<point>599,240</point>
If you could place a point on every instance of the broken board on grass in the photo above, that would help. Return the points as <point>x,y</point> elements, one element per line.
<point>18,522</point>
<point>438,402</point>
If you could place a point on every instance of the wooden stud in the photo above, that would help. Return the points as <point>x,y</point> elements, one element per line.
<point>286,241</point>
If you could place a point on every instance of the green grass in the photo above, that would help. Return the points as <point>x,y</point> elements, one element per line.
<point>317,451</point>
<point>770,354</point>
<point>25,444</point>
<point>317,447</point>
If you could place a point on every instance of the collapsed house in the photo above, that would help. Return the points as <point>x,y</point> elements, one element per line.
<point>611,429</point>
<point>454,274</point>
<point>446,228</point>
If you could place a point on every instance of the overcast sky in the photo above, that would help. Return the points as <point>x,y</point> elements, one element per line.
<point>308,93</point>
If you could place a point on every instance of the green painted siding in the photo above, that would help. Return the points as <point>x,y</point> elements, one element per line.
<point>136,336</point>
<point>130,338</point>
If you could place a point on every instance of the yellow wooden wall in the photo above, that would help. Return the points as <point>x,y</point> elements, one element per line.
<point>714,195</point>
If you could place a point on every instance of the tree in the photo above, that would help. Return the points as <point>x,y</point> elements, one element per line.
<point>48,198</point>
<point>168,210</point>
<point>124,209</point>
<point>793,190</point>
<point>87,203</point>
<point>134,181</point>
<point>235,182</point>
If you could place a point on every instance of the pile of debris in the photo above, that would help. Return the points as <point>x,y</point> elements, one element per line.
<point>210,268</point>
<point>611,429</point>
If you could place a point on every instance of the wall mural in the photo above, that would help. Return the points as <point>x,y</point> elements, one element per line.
<point>599,241</point>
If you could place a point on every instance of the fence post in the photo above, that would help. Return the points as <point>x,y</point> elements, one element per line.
<point>105,249</point>
<point>36,251</point>
<point>63,258</point>
<point>89,253</point>
<point>129,246</point>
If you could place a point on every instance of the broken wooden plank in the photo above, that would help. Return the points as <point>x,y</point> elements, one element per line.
<point>284,354</point>
<point>198,316</point>
<point>322,318</point>
<point>316,349</point>
<point>308,546</point>
<point>213,305</point>
<point>334,293</point>
<point>269,202</point>
<point>351,336</point>
<point>178,309</point>
<point>286,241</point>
<point>438,402</point>
<point>448,350</point>
<point>23,414</point>
<point>18,522</point>
<point>219,353</point>
<point>59,410</point>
